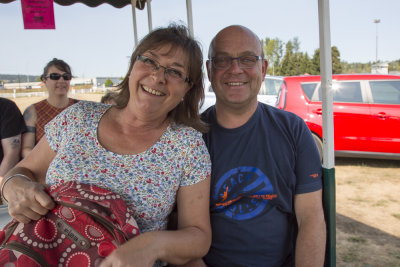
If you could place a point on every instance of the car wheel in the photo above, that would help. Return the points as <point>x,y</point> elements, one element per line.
<point>318,142</point>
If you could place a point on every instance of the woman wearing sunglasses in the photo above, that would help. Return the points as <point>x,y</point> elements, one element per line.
<point>57,77</point>
<point>148,148</point>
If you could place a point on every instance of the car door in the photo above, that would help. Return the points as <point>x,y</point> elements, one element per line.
<point>385,115</point>
<point>350,116</point>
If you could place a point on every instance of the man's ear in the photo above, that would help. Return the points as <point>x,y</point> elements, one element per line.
<point>264,67</point>
<point>208,65</point>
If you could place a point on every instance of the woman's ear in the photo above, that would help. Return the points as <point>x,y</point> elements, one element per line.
<point>190,86</point>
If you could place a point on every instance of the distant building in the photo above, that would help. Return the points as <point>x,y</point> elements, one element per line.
<point>81,81</point>
<point>380,68</point>
<point>99,81</point>
<point>30,85</point>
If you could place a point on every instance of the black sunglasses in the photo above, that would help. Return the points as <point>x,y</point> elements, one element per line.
<point>57,76</point>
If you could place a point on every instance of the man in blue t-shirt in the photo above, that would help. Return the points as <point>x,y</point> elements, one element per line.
<point>266,197</point>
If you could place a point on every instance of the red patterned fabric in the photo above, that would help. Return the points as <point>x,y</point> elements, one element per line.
<point>45,113</point>
<point>87,224</point>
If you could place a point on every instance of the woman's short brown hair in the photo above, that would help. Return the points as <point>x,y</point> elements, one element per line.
<point>187,111</point>
<point>59,64</point>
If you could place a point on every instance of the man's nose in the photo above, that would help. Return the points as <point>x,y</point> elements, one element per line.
<point>235,65</point>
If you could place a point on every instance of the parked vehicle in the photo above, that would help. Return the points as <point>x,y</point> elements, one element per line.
<point>268,92</point>
<point>366,112</point>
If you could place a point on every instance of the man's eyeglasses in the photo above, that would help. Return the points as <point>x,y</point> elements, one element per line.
<point>170,74</point>
<point>57,76</point>
<point>225,62</point>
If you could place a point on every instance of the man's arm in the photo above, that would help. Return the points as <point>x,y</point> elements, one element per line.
<point>29,137</point>
<point>311,238</point>
<point>11,153</point>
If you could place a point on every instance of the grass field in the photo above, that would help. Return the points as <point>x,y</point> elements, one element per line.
<point>367,205</point>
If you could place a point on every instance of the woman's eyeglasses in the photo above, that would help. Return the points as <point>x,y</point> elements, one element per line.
<point>170,74</point>
<point>57,76</point>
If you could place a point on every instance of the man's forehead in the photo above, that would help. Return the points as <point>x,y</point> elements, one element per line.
<point>235,40</point>
<point>239,48</point>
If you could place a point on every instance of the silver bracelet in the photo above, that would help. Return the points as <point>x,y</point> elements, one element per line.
<point>8,179</point>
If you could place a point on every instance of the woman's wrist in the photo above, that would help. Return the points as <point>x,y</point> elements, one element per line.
<point>6,180</point>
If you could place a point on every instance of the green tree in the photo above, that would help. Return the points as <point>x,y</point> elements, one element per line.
<point>315,67</point>
<point>273,51</point>
<point>394,65</point>
<point>304,63</point>
<point>288,67</point>
<point>108,83</point>
<point>296,45</point>
<point>336,66</point>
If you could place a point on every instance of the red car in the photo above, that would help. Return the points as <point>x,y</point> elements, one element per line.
<point>366,112</point>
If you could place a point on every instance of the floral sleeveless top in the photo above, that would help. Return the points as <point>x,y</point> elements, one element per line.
<point>148,181</point>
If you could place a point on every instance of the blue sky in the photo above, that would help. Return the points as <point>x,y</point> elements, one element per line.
<point>98,41</point>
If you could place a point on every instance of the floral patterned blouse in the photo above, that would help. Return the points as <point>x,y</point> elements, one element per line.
<point>148,181</point>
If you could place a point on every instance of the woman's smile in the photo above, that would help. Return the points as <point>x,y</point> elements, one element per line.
<point>152,91</point>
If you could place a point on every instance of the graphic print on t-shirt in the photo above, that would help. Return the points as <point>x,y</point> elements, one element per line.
<point>242,193</point>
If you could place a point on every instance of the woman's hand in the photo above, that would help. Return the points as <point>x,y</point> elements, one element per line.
<point>27,200</point>
<point>191,241</point>
<point>137,252</point>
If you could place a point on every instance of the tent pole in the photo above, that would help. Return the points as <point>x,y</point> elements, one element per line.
<point>328,137</point>
<point>133,3</point>
<point>149,18</point>
<point>189,16</point>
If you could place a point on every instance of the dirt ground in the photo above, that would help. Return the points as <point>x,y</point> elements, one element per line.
<point>367,207</point>
<point>367,212</point>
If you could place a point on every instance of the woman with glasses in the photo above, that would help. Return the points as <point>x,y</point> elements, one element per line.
<point>148,148</point>
<point>57,77</point>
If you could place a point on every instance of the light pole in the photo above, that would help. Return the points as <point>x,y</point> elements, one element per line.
<point>376,21</point>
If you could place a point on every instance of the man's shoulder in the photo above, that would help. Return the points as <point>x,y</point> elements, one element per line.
<point>8,106</point>
<point>268,111</point>
<point>7,103</point>
<point>208,114</point>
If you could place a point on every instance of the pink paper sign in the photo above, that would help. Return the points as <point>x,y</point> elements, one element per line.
<point>38,14</point>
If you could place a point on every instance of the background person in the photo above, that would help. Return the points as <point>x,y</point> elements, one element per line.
<point>147,148</point>
<point>266,197</point>
<point>109,98</point>
<point>12,126</point>
<point>57,77</point>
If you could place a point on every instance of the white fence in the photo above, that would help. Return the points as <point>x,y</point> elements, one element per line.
<point>72,92</point>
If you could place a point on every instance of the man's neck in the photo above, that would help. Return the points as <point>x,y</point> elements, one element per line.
<point>233,117</point>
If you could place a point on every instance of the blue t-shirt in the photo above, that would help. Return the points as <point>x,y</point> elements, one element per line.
<point>257,169</point>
